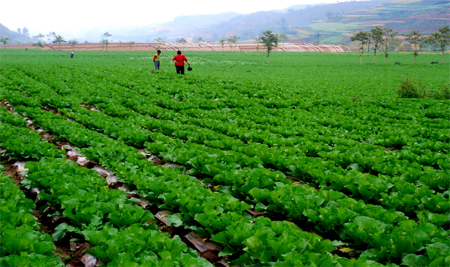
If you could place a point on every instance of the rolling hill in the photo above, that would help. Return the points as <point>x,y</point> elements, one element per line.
<point>15,37</point>
<point>324,23</point>
<point>334,23</point>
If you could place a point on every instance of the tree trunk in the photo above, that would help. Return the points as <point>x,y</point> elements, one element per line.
<point>268,58</point>
<point>360,59</point>
<point>386,55</point>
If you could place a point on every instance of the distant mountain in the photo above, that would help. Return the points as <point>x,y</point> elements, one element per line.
<point>335,23</point>
<point>190,27</point>
<point>291,22</point>
<point>15,37</point>
<point>181,27</point>
<point>401,15</point>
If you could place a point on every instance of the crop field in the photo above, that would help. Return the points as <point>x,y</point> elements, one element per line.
<point>313,160</point>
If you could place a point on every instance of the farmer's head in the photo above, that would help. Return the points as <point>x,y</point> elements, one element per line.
<point>178,52</point>
<point>159,51</point>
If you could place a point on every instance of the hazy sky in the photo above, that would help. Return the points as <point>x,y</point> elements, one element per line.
<point>51,15</point>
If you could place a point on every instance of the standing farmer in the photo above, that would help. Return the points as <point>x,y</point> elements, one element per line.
<point>179,60</point>
<point>157,59</point>
<point>71,55</point>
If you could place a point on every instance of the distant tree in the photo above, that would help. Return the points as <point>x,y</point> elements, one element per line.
<point>232,40</point>
<point>56,39</point>
<point>395,44</point>
<point>406,47</point>
<point>362,38</point>
<point>377,37</point>
<point>426,46</point>
<point>270,40</point>
<point>38,45</point>
<point>440,38</point>
<point>200,39</point>
<point>414,38</point>
<point>120,44</point>
<point>318,37</point>
<point>282,36</point>
<point>25,32</point>
<point>159,40</point>
<point>72,43</point>
<point>222,43</point>
<point>389,36</point>
<point>105,40</point>
<point>257,44</point>
<point>131,43</point>
<point>105,43</point>
<point>369,41</point>
<point>39,37</point>
<point>181,40</point>
<point>19,30</point>
<point>230,44</point>
<point>4,40</point>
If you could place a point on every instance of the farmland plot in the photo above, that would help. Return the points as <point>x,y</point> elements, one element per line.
<point>294,164</point>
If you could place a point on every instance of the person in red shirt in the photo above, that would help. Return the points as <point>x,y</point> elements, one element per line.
<point>179,60</point>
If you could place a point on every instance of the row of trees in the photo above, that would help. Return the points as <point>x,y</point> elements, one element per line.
<point>268,39</point>
<point>23,31</point>
<point>105,41</point>
<point>58,39</point>
<point>382,37</point>
<point>232,40</point>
